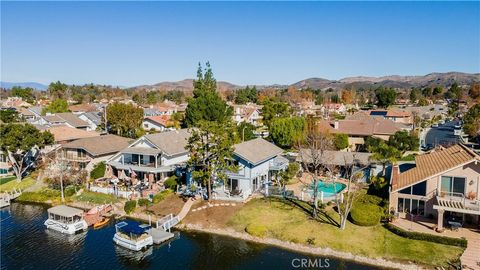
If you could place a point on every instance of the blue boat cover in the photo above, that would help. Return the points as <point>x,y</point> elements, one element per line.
<point>132,227</point>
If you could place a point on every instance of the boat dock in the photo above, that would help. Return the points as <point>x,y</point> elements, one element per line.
<point>162,232</point>
<point>159,236</point>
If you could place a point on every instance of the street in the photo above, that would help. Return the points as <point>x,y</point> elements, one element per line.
<point>442,135</point>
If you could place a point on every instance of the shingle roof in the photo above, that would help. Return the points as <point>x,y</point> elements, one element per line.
<point>64,133</point>
<point>433,163</point>
<point>53,119</point>
<point>94,117</point>
<point>338,158</point>
<point>257,150</point>
<point>72,119</point>
<point>100,145</point>
<point>170,142</point>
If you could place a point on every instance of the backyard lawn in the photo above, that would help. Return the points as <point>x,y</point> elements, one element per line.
<point>8,186</point>
<point>96,198</point>
<point>286,221</point>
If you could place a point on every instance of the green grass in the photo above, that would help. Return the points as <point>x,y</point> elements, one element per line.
<point>6,179</point>
<point>96,198</point>
<point>288,222</point>
<point>43,196</point>
<point>13,184</point>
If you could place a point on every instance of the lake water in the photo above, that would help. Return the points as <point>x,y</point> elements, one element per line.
<point>27,244</point>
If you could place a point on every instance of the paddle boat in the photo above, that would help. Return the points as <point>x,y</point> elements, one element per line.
<point>101,223</point>
<point>65,219</point>
<point>132,235</point>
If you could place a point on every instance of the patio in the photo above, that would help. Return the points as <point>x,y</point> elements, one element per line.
<point>470,258</point>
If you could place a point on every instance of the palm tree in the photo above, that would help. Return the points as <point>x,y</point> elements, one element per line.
<point>384,154</point>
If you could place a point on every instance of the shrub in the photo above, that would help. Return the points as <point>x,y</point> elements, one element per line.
<point>70,191</point>
<point>460,242</point>
<point>171,182</point>
<point>98,170</point>
<point>161,195</point>
<point>143,202</point>
<point>256,230</point>
<point>366,211</point>
<point>130,206</point>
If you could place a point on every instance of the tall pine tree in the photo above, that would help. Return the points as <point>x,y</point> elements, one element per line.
<point>206,104</point>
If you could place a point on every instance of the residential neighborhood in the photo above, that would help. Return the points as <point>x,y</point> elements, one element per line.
<point>154,142</point>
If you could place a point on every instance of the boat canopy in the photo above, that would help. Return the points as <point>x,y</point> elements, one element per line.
<point>131,227</point>
<point>65,211</point>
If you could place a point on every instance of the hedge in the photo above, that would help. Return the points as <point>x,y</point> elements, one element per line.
<point>98,170</point>
<point>366,211</point>
<point>366,214</point>
<point>460,242</point>
<point>130,206</point>
<point>143,202</point>
<point>161,195</point>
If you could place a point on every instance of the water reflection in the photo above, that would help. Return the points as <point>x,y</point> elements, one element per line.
<point>26,244</point>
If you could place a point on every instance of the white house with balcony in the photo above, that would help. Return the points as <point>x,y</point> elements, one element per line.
<point>444,183</point>
<point>258,161</point>
<point>153,156</point>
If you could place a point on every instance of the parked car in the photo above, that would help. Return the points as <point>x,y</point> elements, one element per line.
<point>435,125</point>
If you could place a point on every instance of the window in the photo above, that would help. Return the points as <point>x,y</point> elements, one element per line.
<point>420,189</point>
<point>413,206</point>
<point>453,186</point>
<point>81,153</point>
<point>407,190</point>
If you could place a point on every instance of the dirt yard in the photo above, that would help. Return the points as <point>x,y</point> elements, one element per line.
<point>172,204</point>
<point>215,216</point>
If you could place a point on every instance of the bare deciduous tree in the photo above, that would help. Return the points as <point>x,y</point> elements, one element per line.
<point>345,200</point>
<point>312,155</point>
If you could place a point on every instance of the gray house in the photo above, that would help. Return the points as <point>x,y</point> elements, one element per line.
<point>258,161</point>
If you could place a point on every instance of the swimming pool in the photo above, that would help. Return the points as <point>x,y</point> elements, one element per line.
<point>328,188</point>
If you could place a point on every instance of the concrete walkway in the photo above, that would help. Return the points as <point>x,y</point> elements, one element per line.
<point>471,256</point>
<point>185,209</point>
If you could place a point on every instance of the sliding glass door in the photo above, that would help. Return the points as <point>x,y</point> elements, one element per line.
<point>453,186</point>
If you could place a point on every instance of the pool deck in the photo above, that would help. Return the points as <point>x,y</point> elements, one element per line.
<point>305,179</point>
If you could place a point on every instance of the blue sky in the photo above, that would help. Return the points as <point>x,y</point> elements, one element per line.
<point>132,43</point>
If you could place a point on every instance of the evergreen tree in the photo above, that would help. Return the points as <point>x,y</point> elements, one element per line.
<point>206,104</point>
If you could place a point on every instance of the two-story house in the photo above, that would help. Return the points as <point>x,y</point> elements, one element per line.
<point>444,183</point>
<point>152,155</point>
<point>257,160</point>
<point>86,152</point>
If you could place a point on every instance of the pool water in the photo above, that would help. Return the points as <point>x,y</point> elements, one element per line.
<point>329,189</point>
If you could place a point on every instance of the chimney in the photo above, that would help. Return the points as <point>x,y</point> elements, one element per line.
<point>335,124</point>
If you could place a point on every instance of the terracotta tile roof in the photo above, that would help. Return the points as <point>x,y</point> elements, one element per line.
<point>64,133</point>
<point>163,120</point>
<point>84,107</point>
<point>100,145</point>
<point>398,113</point>
<point>433,163</point>
<point>367,127</point>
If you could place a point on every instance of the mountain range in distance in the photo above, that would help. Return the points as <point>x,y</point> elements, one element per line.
<point>34,85</point>
<point>395,81</point>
